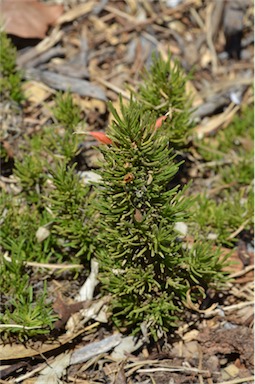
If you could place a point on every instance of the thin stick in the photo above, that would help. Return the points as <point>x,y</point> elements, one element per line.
<point>238,381</point>
<point>243,272</point>
<point>47,265</point>
<point>237,306</point>
<point>30,374</point>
<point>3,326</point>
<point>234,234</point>
<point>113,87</point>
<point>177,369</point>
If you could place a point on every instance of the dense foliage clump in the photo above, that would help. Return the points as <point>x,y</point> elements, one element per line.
<point>163,90</point>
<point>48,220</point>
<point>229,203</point>
<point>10,76</point>
<point>144,264</point>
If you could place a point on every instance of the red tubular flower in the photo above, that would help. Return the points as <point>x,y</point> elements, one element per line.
<point>159,121</point>
<point>101,137</point>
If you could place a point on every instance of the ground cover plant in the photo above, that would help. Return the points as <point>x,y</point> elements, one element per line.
<point>229,204</point>
<point>48,220</point>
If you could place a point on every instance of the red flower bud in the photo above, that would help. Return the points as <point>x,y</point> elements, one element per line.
<point>101,137</point>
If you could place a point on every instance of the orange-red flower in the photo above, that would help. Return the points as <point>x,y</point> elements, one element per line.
<point>101,137</point>
<point>159,121</point>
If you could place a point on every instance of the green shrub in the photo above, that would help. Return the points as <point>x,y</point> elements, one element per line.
<point>53,200</point>
<point>218,220</point>
<point>143,262</point>
<point>229,155</point>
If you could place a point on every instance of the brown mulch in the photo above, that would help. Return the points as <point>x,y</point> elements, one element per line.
<point>95,50</point>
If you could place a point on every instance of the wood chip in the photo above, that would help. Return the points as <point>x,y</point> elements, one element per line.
<point>67,83</point>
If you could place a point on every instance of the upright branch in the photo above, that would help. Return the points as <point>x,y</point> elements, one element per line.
<point>144,265</point>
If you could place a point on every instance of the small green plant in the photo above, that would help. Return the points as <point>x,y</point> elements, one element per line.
<point>229,155</point>
<point>59,137</point>
<point>219,220</point>
<point>52,199</point>
<point>18,232</point>
<point>32,173</point>
<point>163,90</point>
<point>67,113</point>
<point>30,314</point>
<point>56,144</point>
<point>72,214</point>
<point>10,77</point>
<point>143,263</point>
